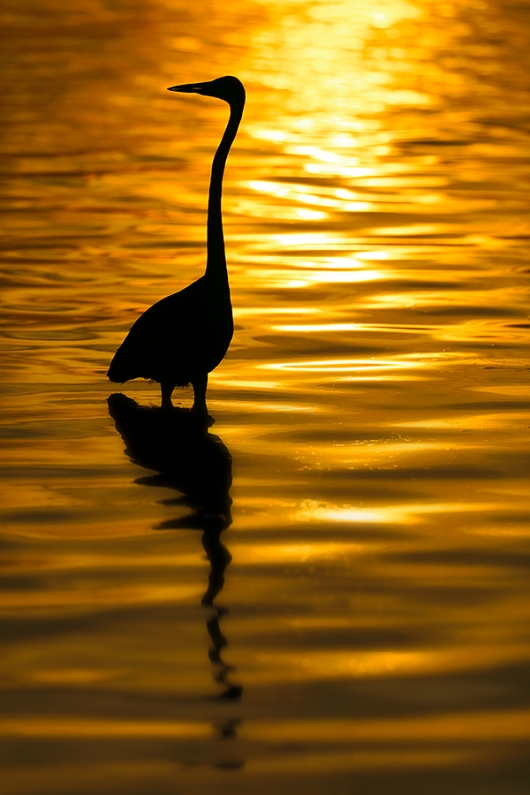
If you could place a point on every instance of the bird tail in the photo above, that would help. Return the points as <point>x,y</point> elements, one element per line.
<point>115,372</point>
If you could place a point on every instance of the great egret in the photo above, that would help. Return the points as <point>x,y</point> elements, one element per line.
<point>183,337</point>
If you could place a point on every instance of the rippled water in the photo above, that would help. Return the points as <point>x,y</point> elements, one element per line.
<point>367,470</point>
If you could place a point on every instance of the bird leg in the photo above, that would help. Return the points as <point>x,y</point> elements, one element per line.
<point>199,385</point>
<point>167,389</point>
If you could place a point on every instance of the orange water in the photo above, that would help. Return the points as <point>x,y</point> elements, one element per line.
<point>374,403</point>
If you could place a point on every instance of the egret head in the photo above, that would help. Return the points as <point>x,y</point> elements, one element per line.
<point>228,88</point>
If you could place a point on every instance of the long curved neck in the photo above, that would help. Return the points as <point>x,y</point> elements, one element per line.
<point>216,260</point>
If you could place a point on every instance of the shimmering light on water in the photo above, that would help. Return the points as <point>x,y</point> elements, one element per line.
<point>367,472</point>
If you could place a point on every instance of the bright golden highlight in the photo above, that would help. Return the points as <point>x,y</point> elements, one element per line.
<point>325,590</point>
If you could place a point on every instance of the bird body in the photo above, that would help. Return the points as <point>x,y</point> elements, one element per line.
<point>177,339</point>
<point>183,337</point>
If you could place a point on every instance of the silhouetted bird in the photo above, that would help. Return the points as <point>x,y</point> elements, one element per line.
<point>183,337</point>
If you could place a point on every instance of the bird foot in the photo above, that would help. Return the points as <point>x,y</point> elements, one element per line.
<point>200,413</point>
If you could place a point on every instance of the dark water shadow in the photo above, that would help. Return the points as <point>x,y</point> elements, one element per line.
<point>177,445</point>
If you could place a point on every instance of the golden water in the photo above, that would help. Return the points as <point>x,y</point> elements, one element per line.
<point>375,401</point>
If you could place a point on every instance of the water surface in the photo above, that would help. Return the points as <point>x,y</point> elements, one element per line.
<point>366,474</point>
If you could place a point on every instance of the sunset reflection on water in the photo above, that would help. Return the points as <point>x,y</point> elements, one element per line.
<point>371,417</point>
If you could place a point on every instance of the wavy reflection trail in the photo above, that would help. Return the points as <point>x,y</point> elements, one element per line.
<point>186,457</point>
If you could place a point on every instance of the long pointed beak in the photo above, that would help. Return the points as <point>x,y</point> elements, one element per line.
<point>188,88</point>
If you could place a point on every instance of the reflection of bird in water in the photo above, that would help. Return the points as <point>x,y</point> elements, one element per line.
<point>183,337</point>
<point>197,464</point>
